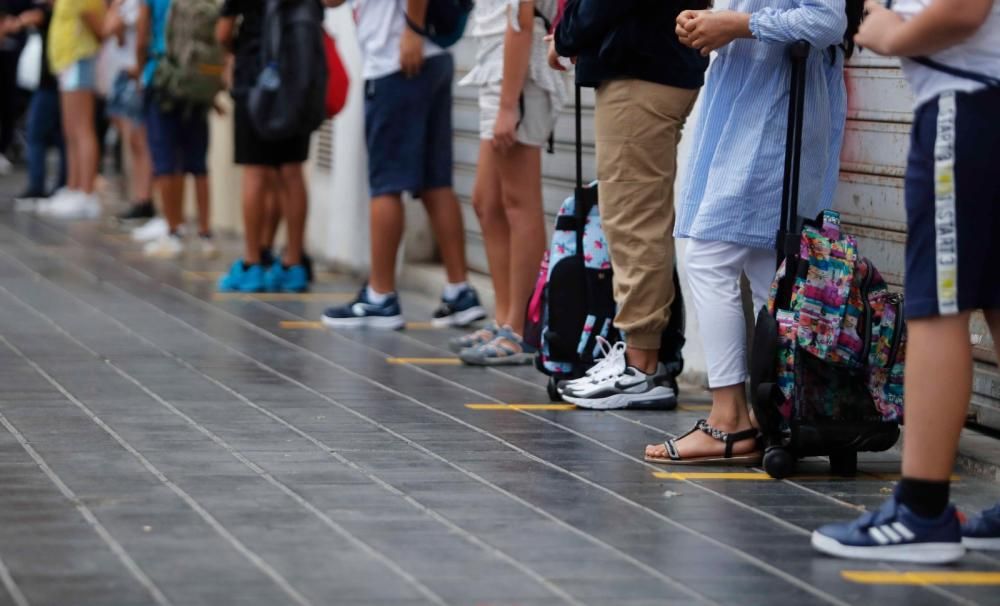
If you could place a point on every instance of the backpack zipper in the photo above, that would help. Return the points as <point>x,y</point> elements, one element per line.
<point>897,335</point>
<point>866,348</point>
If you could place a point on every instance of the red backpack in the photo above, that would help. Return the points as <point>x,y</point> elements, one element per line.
<point>337,82</point>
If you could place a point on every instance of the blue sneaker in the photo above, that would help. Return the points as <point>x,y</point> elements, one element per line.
<point>286,279</point>
<point>463,310</point>
<point>983,530</point>
<point>361,313</point>
<point>242,278</point>
<point>894,533</point>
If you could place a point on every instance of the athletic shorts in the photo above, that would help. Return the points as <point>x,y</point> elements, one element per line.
<point>251,150</point>
<point>408,129</point>
<point>536,116</point>
<point>178,139</point>
<point>953,206</point>
<point>82,75</point>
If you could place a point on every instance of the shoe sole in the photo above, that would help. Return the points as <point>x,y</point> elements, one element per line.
<point>461,318</point>
<point>520,359</point>
<point>650,400</point>
<point>379,322</point>
<point>746,460</point>
<point>982,544</point>
<point>918,553</point>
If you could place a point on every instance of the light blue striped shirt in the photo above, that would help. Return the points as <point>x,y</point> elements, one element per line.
<point>732,189</point>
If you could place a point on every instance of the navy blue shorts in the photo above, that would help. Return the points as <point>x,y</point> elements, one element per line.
<point>178,139</point>
<point>408,129</point>
<point>953,206</point>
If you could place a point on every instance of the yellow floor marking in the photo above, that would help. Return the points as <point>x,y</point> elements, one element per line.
<point>425,361</point>
<point>695,407</point>
<point>116,237</point>
<point>283,296</point>
<point>521,406</point>
<point>762,476</point>
<point>296,325</point>
<point>420,326</point>
<point>932,577</point>
<point>215,275</point>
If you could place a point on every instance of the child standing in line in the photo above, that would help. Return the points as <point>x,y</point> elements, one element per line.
<point>951,51</point>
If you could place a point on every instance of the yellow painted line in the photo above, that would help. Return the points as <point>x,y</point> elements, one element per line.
<point>695,407</point>
<point>420,326</point>
<point>215,275</point>
<point>296,325</point>
<point>116,237</point>
<point>283,296</point>
<point>761,476</point>
<point>521,406</point>
<point>931,577</point>
<point>426,361</point>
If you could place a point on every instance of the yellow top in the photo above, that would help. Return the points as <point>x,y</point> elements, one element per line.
<point>70,40</point>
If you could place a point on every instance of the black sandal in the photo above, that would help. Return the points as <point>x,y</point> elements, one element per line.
<point>729,439</point>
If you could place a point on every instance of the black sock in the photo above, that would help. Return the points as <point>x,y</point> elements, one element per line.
<point>925,498</point>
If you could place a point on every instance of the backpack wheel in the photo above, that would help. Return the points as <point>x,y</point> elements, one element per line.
<point>779,462</point>
<point>844,463</point>
<point>554,395</point>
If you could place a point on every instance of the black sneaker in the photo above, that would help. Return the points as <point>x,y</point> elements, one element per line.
<point>139,211</point>
<point>463,310</point>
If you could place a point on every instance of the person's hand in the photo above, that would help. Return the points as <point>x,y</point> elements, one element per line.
<point>505,129</point>
<point>411,52</point>
<point>708,30</point>
<point>133,72</point>
<point>218,108</point>
<point>878,28</point>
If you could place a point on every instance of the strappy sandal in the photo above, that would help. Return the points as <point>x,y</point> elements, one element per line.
<point>507,349</point>
<point>729,439</point>
<point>474,339</point>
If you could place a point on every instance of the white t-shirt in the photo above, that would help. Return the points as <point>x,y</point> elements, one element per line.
<point>979,53</point>
<point>115,57</point>
<point>380,28</point>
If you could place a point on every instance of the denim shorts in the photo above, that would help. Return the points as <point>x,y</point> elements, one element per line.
<point>408,129</point>
<point>178,138</point>
<point>82,75</point>
<point>125,99</point>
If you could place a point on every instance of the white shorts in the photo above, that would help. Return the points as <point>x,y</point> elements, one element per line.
<point>537,117</point>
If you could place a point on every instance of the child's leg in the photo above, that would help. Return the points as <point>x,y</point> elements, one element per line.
<point>486,199</point>
<point>295,207</point>
<point>271,219</point>
<point>258,183</point>
<point>203,197</point>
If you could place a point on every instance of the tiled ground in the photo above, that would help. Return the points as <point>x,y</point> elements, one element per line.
<point>161,444</point>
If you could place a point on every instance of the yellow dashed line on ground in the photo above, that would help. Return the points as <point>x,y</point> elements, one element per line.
<point>425,361</point>
<point>759,476</point>
<point>297,325</point>
<point>215,275</point>
<point>930,577</point>
<point>521,406</point>
<point>695,407</point>
<point>283,296</point>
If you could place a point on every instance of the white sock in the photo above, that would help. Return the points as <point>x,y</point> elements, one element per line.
<point>453,290</point>
<point>375,297</point>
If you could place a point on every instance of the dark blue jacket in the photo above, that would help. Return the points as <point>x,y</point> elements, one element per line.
<point>615,39</point>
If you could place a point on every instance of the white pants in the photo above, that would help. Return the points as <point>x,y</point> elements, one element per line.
<point>714,270</point>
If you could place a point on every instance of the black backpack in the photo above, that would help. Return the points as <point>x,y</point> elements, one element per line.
<point>287,100</point>
<point>445,21</point>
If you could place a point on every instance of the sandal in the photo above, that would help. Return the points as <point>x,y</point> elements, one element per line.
<point>474,339</point>
<point>729,439</point>
<point>506,349</point>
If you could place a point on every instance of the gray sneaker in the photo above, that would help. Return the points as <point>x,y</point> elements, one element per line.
<point>506,349</point>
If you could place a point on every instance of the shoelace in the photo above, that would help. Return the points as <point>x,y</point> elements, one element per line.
<point>610,366</point>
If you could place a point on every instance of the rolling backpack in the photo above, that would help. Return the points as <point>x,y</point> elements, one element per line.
<point>829,348</point>
<point>289,97</point>
<point>573,302</point>
<point>189,72</point>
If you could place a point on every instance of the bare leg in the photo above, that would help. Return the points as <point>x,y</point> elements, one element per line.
<point>295,207</point>
<point>258,182</point>
<point>142,164</point>
<point>84,137</point>
<point>521,178</point>
<point>74,181</point>
<point>387,217</point>
<point>938,388</point>
<point>204,200</point>
<point>486,199</point>
<point>271,219</point>
<point>446,221</point>
<point>172,193</point>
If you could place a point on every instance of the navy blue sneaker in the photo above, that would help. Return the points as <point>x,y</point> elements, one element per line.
<point>894,533</point>
<point>463,310</point>
<point>361,313</point>
<point>983,530</point>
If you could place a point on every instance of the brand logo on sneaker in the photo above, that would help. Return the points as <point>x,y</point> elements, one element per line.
<point>890,533</point>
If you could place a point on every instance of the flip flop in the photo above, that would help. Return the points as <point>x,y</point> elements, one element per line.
<point>729,439</point>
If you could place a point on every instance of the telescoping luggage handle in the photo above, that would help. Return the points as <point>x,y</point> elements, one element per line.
<point>787,240</point>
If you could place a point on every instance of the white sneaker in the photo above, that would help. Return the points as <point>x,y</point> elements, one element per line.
<point>154,229</point>
<point>5,166</point>
<point>206,247</point>
<point>74,205</point>
<point>611,357</point>
<point>617,385</point>
<point>169,246</point>
<point>61,198</point>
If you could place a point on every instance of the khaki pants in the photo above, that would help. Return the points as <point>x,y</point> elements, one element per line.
<point>638,126</point>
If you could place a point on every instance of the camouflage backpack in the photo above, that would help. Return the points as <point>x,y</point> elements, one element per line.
<point>190,71</point>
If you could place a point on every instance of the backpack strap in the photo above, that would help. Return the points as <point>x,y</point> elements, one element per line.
<point>989,81</point>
